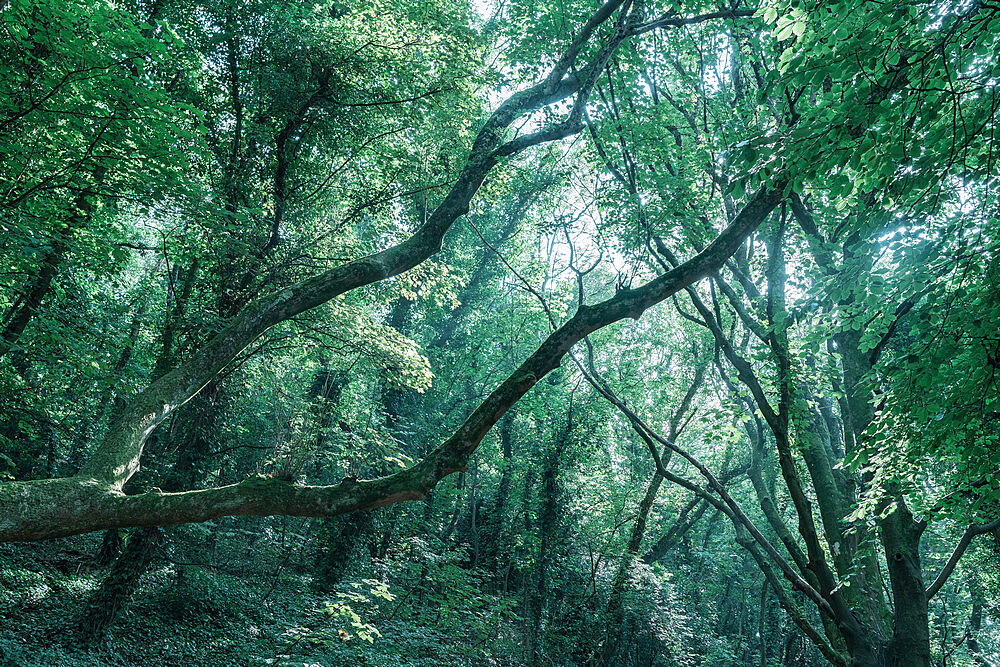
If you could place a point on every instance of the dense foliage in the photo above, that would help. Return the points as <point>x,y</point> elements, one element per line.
<point>449,333</point>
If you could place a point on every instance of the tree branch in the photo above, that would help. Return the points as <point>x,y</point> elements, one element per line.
<point>956,555</point>
<point>68,506</point>
<point>118,456</point>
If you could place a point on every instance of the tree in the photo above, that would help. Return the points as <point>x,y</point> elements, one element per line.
<point>355,191</point>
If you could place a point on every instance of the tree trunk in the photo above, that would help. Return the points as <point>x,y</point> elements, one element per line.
<point>105,605</point>
<point>32,297</point>
<point>341,537</point>
<point>911,634</point>
<point>900,533</point>
<point>111,547</point>
<point>92,499</point>
<point>38,287</point>
<point>548,527</point>
<point>616,596</point>
<point>975,625</point>
<point>126,573</point>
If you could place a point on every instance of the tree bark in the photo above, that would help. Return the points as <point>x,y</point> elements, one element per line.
<point>118,456</point>
<point>548,532</point>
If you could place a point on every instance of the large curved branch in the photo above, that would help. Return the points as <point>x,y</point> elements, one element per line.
<point>956,555</point>
<point>727,505</point>
<point>68,506</point>
<point>627,303</point>
<point>117,457</point>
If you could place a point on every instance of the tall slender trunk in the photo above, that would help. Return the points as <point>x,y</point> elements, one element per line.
<point>494,528</point>
<point>33,294</point>
<point>975,626</point>
<point>548,525</point>
<point>507,451</point>
<point>339,537</point>
<point>616,596</point>
<point>762,625</point>
<point>37,288</point>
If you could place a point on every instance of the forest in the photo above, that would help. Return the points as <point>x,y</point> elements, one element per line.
<point>500,332</point>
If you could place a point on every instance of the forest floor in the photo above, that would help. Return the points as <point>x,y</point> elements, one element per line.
<point>181,616</point>
<point>256,608</point>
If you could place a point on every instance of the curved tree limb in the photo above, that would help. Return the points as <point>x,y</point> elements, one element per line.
<point>117,457</point>
<point>793,610</point>
<point>956,555</point>
<point>735,512</point>
<point>69,506</point>
<point>748,535</point>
